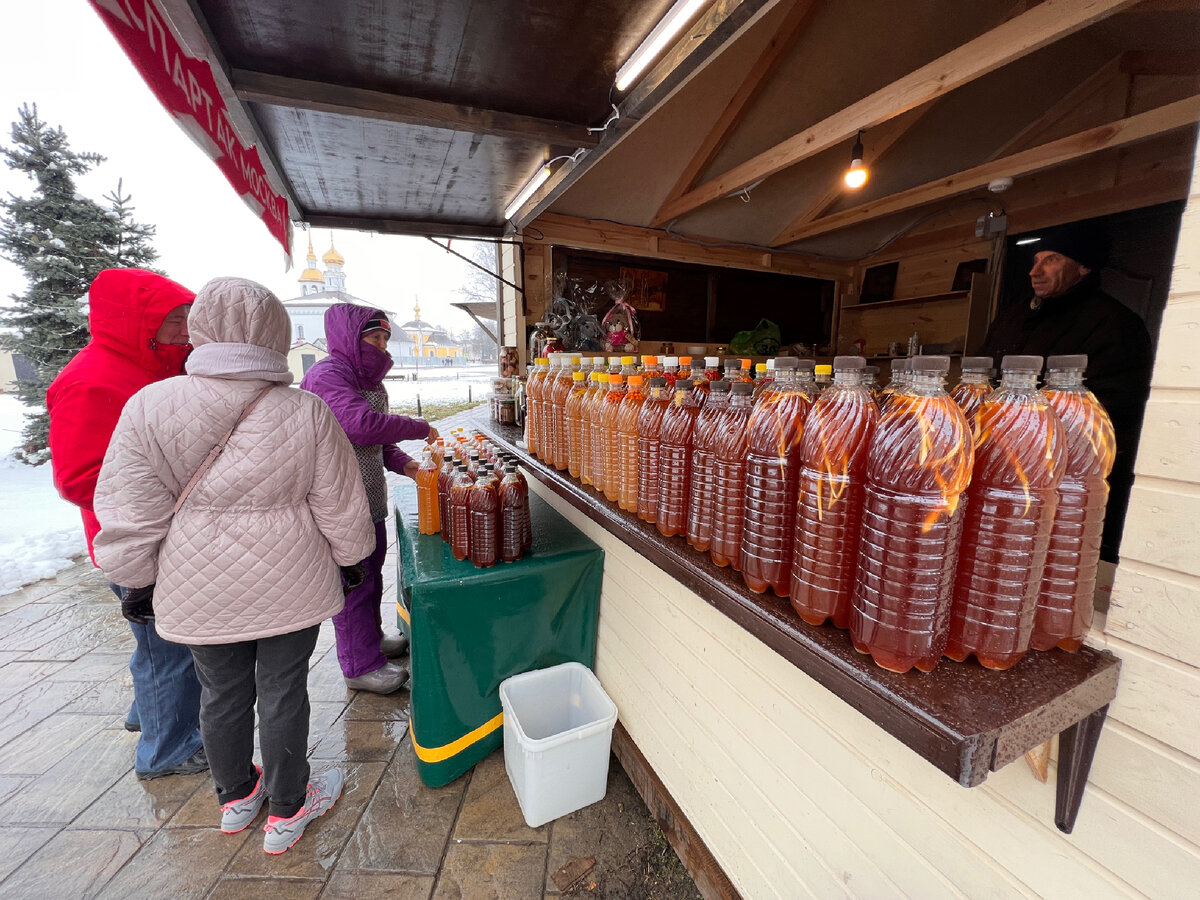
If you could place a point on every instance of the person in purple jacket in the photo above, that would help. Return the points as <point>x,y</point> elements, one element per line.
<point>349,380</point>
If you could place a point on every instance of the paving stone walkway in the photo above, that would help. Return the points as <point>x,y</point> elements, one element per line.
<point>76,822</point>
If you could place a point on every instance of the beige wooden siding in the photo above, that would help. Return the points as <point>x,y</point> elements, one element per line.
<point>798,795</point>
<point>512,321</point>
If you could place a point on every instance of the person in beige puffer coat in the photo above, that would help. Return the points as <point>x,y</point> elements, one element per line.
<point>248,568</point>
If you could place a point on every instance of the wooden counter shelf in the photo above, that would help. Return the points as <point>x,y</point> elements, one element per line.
<point>964,719</point>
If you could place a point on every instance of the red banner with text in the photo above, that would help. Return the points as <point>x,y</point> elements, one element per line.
<point>185,86</point>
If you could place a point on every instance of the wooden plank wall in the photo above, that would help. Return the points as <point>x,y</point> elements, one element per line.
<point>796,794</point>
<point>512,316</point>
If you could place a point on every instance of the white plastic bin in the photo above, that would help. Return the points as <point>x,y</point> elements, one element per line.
<point>558,726</point>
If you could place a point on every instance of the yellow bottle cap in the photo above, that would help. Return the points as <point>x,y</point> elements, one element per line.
<point>577,376</point>
<point>602,377</point>
<point>628,360</point>
<point>823,370</point>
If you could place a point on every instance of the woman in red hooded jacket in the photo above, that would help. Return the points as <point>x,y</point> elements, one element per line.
<point>138,323</point>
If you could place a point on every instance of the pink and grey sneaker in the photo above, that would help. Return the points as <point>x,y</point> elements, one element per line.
<point>323,791</point>
<point>237,814</point>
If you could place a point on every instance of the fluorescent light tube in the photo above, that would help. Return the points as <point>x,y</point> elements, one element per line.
<point>670,25</point>
<point>1024,241</point>
<point>526,192</point>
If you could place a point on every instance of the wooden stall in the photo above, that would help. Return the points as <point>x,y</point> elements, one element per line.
<point>779,765</point>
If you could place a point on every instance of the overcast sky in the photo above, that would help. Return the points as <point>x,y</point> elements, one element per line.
<point>60,56</point>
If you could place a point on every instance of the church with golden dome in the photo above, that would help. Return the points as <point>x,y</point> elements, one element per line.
<point>319,290</point>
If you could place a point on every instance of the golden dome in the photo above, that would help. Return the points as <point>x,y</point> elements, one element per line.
<point>332,257</point>
<point>312,275</point>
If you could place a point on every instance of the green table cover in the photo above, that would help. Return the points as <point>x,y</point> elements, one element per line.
<point>471,628</point>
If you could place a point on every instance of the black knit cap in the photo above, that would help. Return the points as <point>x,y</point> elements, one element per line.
<point>1083,242</point>
<point>379,323</point>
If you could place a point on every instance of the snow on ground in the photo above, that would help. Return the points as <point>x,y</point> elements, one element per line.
<point>39,531</point>
<point>438,384</point>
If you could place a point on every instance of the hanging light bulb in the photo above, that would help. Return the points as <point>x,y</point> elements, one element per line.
<point>856,175</point>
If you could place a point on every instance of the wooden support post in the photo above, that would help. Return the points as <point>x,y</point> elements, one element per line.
<point>1076,747</point>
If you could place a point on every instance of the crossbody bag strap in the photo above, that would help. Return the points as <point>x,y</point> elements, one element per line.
<point>218,448</point>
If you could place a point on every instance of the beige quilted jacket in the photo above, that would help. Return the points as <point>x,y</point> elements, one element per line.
<point>254,550</point>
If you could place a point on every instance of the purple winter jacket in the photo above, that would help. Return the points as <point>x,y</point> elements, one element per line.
<point>349,381</point>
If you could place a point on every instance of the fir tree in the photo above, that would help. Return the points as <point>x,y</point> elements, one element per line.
<point>60,240</point>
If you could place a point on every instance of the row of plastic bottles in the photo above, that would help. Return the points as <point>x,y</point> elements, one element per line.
<point>927,524</point>
<point>474,496</point>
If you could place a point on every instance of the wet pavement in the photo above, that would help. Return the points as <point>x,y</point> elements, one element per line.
<point>76,822</point>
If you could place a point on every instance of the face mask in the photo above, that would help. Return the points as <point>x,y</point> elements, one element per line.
<point>171,357</point>
<point>375,363</point>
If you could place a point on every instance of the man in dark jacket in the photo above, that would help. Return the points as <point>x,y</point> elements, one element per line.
<point>1068,313</point>
<point>138,323</point>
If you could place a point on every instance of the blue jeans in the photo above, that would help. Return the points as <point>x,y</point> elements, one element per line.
<point>166,699</point>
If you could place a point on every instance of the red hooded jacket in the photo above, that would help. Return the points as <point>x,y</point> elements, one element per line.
<point>126,309</point>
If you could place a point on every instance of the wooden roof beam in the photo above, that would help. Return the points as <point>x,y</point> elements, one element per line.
<point>876,147</point>
<point>785,38</point>
<point>718,26</point>
<point>278,90</point>
<point>1143,126</point>
<point>385,225</point>
<point>1067,104</point>
<point>1046,23</point>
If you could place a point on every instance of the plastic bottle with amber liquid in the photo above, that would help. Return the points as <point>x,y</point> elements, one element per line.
<point>974,384</point>
<point>729,477</point>
<point>533,403</point>
<point>871,381</point>
<point>895,383</point>
<point>585,430</point>
<point>675,459</point>
<point>460,512</point>
<point>700,492</point>
<point>685,368</point>
<point>574,420</point>
<point>833,463</point>
<point>445,476</point>
<point>1020,458</point>
<point>516,527</point>
<point>626,443</point>
<point>918,467</point>
<point>670,371</point>
<point>483,509</point>
<point>1064,607</point>
<point>546,442</point>
<point>712,371</point>
<point>608,437</point>
<point>593,419</point>
<point>559,393</point>
<point>822,377</point>
<point>773,480</point>
<point>763,383</point>
<point>649,425</point>
<point>428,515</point>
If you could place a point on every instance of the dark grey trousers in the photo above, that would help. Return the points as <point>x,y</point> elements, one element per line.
<point>273,671</point>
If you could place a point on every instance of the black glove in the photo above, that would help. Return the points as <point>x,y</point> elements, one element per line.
<point>352,576</point>
<point>136,606</point>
